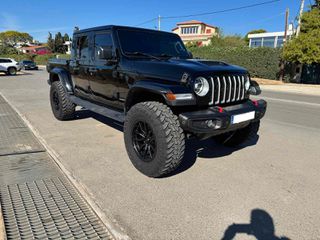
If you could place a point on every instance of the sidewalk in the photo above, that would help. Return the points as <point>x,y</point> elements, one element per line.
<point>37,201</point>
<point>277,86</point>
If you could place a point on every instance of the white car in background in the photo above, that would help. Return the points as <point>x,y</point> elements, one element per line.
<point>9,66</point>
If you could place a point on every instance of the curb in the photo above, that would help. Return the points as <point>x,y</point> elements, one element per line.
<point>3,234</point>
<point>115,229</point>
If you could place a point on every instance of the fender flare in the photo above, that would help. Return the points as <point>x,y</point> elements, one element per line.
<point>159,90</point>
<point>64,78</point>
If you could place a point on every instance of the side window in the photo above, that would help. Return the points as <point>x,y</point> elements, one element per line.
<point>1,60</point>
<point>8,61</point>
<point>103,40</point>
<point>83,47</point>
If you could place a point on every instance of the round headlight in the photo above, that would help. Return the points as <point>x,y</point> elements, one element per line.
<point>201,86</point>
<point>247,84</point>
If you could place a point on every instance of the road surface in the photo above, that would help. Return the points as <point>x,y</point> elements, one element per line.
<point>271,185</point>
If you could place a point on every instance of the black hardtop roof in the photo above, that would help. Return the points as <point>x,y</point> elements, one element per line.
<point>111,27</point>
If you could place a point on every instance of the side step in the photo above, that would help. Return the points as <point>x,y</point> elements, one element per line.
<point>107,112</point>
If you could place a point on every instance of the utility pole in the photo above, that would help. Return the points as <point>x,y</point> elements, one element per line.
<point>159,22</point>
<point>282,65</point>
<point>300,15</point>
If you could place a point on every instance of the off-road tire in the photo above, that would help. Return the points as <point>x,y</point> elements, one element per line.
<point>64,109</point>
<point>12,71</point>
<point>169,138</point>
<point>235,138</point>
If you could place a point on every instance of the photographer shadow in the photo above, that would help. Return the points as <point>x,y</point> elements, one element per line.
<point>261,227</point>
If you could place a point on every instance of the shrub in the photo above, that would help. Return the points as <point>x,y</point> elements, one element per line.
<point>260,62</point>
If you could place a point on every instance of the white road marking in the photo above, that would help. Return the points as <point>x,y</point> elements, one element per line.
<point>290,101</point>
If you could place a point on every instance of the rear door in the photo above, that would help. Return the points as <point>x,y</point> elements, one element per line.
<point>80,64</point>
<point>102,79</point>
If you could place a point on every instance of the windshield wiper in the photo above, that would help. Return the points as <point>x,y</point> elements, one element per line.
<point>143,54</point>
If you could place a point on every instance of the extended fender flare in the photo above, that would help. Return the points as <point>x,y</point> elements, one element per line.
<point>139,89</point>
<point>157,91</point>
<point>64,77</point>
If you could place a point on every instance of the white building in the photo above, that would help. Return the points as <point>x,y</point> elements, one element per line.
<point>269,39</point>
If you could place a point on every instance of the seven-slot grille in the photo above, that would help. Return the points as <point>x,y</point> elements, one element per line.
<point>227,88</point>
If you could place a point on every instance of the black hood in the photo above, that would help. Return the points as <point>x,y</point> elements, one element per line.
<point>173,69</point>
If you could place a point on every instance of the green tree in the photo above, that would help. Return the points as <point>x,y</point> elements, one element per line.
<point>253,32</point>
<point>12,38</point>
<point>50,43</point>
<point>306,47</point>
<point>59,43</point>
<point>66,37</point>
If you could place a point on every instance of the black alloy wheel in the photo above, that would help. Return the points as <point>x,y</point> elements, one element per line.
<point>144,141</point>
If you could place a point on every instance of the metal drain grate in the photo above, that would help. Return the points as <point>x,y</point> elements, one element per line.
<point>15,137</point>
<point>48,209</point>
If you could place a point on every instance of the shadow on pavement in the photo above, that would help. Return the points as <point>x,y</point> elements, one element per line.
<point>194,147</point>
<point>261,227</point>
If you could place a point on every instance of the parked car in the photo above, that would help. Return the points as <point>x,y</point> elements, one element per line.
<point>148,80</point>
<point>28,65</point>
<point>9,66</point>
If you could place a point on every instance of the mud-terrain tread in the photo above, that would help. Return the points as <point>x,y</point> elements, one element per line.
<point>174,135</point>
<point>67,111</point>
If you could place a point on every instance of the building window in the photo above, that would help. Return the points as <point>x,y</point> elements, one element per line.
<point>268,42</point>
<point>208,31</point>
<point>256,42</point>
<point>280,41</point>
<point>189,30</point>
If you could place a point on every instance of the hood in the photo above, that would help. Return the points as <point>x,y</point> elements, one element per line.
<point>173,69</point>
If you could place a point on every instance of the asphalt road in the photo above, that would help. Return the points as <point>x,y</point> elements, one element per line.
<point>270,187</point>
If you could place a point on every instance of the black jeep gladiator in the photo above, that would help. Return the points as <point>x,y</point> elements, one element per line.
<point>148,80</point>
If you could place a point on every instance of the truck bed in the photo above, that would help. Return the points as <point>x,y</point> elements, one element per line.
<point>57,62</point>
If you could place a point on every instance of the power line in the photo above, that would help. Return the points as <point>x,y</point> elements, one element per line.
<point>222,11</point>
<point>209,13</point>
<point>148,21</point>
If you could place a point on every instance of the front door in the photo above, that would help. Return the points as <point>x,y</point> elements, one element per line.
<point>103,75</point>
<point>80,64</point>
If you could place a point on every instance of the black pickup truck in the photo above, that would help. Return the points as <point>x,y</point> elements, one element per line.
<point>148,80</point>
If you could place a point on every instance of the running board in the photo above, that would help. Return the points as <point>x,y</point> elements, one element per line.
<point>107,112</point>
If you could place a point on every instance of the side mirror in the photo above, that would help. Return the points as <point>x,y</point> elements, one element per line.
<point>105,52</point>
<point>190,54</point>
<point>254,88</point>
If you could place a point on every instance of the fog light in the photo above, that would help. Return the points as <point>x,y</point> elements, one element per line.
<point>210,123</point>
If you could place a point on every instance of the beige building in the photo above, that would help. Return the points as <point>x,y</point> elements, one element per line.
<point>195,31</point>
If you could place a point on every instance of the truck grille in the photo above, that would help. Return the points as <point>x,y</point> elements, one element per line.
<point>227,89</point>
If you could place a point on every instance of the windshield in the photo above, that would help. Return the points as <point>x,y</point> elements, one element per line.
<point>153,43</point>
<point>27,62</point>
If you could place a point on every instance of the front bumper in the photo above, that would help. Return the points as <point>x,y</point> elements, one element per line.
<point>221,118</point>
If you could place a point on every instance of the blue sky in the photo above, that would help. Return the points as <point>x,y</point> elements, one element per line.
<point>40,17</point>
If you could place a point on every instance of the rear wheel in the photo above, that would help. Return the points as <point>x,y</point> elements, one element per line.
<point>240,136</point>
<point>62,107</point>
<point>154,139</point>
<point>12,71</point>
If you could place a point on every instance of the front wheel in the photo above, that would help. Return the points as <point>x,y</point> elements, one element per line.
<point>62,107</point>
<point>12,71</point>
<point>154,139</point>
<point>240,136</point>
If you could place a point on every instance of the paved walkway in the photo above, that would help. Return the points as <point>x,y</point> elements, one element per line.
<point>36,200</point>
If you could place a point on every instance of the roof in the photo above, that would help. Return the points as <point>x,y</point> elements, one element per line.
<point>108,27</point>
<point>269,34</point>
<point>33,47</point>
<point>195,22</point>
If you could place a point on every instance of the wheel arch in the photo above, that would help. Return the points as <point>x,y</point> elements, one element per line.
<point>145,93</point>
<point>58,74</point>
